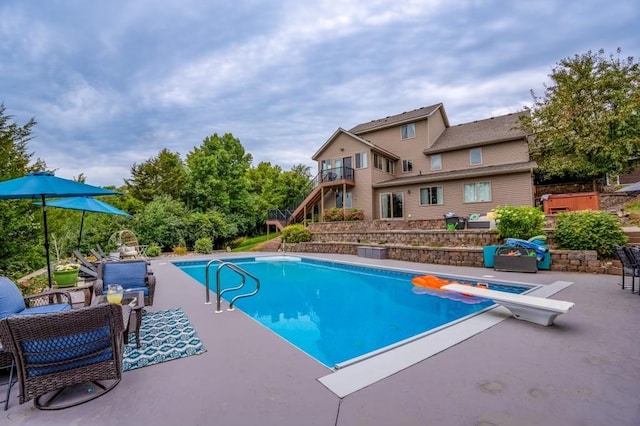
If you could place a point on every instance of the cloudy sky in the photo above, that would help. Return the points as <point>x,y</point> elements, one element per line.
<point>111,83</point>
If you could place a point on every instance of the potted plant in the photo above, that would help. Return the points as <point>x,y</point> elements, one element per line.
<point>66,275</point>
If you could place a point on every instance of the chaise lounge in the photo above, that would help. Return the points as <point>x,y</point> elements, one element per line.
<point>534,309</point>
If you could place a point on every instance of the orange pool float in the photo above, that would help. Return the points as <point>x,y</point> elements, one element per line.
<point>430,281</point>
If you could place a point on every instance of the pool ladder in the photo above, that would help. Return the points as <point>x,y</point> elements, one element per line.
<point>238,270</point>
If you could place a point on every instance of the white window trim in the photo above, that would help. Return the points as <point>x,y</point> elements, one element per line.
<point>391,212</point>
<point>471,151</point>
<point>436,156</point>
<point>488,182</point>
<point>409,166</point>
<point>407,126</point>
<point>430,187</point>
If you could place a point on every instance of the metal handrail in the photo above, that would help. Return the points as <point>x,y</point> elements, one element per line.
<point>235,268</point>
<point>206,279</point>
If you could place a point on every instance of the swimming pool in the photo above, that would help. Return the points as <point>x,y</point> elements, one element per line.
<point>336,312</point>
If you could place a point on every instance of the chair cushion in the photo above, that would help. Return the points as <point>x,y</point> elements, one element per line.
<point>11,300</point>
<point>48,356</point>
<point>45,309</point>
<point>129,275</point>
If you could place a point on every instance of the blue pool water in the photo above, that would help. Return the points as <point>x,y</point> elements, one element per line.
<point>336,312</point>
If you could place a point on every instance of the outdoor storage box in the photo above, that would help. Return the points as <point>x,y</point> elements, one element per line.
<point>515,263</point>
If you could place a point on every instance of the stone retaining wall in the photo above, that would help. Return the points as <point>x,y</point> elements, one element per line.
<point>426,241</point>
<point>561,260</point>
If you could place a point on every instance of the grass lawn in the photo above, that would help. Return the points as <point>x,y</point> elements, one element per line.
<point>247,244</point>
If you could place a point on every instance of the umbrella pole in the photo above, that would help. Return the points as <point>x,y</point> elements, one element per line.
<point>46,241</point>
<point>81,225</point>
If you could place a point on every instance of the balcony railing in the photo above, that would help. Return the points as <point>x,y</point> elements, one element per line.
<point>325,176</point>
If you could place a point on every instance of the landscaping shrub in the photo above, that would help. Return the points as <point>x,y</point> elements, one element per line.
<point>337,214</point>
<point>296,234</point>
<point>334,215</point>
<point>180,249</point>
<point>354,214</point>
<point>203,245</point>
<point>522,222</point>
<point>153,250</point>
<point>589,230</point>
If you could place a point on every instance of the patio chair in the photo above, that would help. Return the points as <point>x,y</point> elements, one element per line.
<point>634,254</point>
<point>629,265</point>
<point>7,363</point>
<point>131,274</point>
<point>100,251</point>
<point>128,245</point>
<point>55,353</point>
<point>13,303</point>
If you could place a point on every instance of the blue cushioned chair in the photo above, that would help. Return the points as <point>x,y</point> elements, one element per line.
<point>57,352</point>
<point>12,302</point>
<point>132,275</point>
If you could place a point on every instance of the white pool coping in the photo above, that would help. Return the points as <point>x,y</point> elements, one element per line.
<point>362,374</point>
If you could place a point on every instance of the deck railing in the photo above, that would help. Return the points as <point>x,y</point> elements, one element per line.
<point>327,175</point>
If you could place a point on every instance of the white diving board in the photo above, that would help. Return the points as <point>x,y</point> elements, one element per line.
<point>524,307</point>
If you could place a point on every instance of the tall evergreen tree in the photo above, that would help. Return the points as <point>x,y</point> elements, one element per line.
<point>20,240</point>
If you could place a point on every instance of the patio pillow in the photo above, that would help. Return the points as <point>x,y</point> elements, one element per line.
<point>11,300</point>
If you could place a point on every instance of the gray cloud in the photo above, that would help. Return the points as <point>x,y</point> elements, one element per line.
<point>115,82</point>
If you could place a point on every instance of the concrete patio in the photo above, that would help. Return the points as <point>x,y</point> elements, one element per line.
<point>584,370</point>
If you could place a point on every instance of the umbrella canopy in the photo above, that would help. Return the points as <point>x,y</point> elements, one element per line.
<point>85,204</point>
<point>43,185</point>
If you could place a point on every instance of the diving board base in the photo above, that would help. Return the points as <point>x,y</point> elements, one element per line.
<point>534,315</point>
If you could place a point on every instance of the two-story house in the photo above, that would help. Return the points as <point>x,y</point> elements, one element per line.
<point>415,165</point>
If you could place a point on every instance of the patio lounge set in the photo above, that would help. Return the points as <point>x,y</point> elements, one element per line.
<point>50,348</point>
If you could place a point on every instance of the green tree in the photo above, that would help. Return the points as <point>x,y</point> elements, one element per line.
<point>162,175</point>
<point>21,237</point>
<point>163,221</point>
<point>218,176</point>
<point>587,123</point>
<point>295,184</point>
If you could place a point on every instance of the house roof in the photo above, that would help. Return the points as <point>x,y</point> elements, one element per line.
<point>394,120</point>
<point>371,145</point>
<point>459,174</point>
<point>477,133</point>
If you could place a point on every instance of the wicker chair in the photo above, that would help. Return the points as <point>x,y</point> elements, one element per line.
<point>128,245</point>
<point>6,363</point>
<point>12,302</point>
<point>132,275</point>
<point>58,351</point>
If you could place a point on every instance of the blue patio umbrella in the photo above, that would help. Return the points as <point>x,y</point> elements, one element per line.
<point>43,185</point>
<point>85,204</point>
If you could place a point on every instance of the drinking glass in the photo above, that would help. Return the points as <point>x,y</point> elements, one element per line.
<point>114,293</point>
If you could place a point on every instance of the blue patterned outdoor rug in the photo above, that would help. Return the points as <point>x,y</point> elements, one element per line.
<point>164,335</point>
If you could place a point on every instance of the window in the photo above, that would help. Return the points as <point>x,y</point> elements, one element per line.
<point>477,192</point>
<point>431,195</point>
<point>407,166</point>
<point>475,156</point>
<point>361,160</point>
<point>388,166</point>
<point>347,200</point>
<point>377,161</point>
<point>325,164</point>
<point>391,205</point>
<point>409,131</point>
<point>436,162</point>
